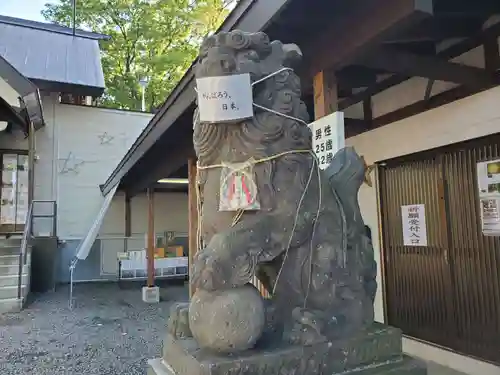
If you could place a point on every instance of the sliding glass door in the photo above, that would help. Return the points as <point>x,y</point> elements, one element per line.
<point>14,191</point>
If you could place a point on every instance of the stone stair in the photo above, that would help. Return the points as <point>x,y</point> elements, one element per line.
<point>9,275</point>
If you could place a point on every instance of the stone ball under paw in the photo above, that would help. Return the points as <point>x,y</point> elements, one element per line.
<point>228,320</point>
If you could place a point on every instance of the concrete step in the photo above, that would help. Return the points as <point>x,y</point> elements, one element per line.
<point>11,305</point>
<point>12,280</point>
<point>10,292</point>
<point>12,269</point>
<point>9,259</point>
<point>10,250</point>
<point>13,259</point>
<point>11,241</point>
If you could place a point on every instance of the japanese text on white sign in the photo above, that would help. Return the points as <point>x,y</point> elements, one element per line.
<point>488,182</point>
<point>225,98</point>
<point>327,137</point>
<point>414,226</point>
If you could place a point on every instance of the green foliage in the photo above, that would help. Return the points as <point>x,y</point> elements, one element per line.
<point>157,39</point>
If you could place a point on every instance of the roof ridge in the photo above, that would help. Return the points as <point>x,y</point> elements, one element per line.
<point>51,27</point>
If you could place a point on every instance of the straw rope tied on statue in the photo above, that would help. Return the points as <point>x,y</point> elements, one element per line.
<point>238,190</point>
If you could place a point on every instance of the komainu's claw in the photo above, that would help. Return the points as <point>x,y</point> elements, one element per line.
<point>178,321</point>
<point>307,327</point>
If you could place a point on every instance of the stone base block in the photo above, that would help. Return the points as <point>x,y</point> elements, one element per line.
<point>151,294</point>
<point>375,352</point>
<point>404,366</point>
<point>158,367</point>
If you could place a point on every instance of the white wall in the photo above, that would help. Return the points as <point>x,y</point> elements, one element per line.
<point>77,149</point>
<point>171,214</point>
<point>469,118</point>
<point>10,95</point>
<point>91,143</point>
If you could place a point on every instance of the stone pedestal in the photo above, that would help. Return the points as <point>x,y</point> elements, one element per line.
<point>151,294</point>
<point>376,352</point>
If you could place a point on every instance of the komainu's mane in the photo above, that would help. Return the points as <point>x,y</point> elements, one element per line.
<point>267,133</point>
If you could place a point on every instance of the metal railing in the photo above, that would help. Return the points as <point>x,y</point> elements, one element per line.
<point>28,234</point>
<point>23,250</point>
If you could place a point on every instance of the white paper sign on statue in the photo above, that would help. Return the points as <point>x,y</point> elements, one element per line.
<point>225,98</point>
<point>327,137</point>
<point>414,225</point>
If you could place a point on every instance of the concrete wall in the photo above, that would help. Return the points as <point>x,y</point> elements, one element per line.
<point>472,117</point>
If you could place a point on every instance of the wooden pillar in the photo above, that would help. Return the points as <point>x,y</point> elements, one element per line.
<point>128,215</point>
<point>491,54</point>
<point>325,94</point>
<point>151,238</point>
<point>193,214</point>
<point>128,221</point>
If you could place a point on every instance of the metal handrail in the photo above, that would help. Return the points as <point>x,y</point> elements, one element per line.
<point>23,250</point>
<point>28,233</point>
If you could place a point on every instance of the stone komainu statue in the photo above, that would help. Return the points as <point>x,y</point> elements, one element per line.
<point>307,243</point>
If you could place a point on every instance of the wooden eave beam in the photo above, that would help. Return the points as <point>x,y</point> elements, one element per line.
<point>449,53</point>
<point>435,101</point>
<point>355,76</point>
<point>409,64</point>
<point>163,167</point>
<point>491,54</point>
<point>434,30</point>
<point>356,126</point>
<point>365,25</point>
<point>466,8</point>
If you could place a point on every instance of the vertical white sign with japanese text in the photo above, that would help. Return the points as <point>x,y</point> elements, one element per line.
<point>414,225</point>
<point>488,182</point>
<point>327,137</point>
<point>225,98</point>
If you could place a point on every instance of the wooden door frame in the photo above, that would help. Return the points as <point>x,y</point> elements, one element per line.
<point>13,228</point>
<point>380,230</point>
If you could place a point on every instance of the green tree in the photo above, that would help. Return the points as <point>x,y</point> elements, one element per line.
<point>153,39</point>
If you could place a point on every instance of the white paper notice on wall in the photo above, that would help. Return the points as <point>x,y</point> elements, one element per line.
<point>488,183</point>
<point>414,225</point>
<point>490,216</point>
<point>225,98</point>
<point>327,137</point>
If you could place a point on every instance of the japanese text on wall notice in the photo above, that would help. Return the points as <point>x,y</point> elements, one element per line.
<point>414,226</point>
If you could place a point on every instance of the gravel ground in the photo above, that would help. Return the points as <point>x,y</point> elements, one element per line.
<point>109,331</point>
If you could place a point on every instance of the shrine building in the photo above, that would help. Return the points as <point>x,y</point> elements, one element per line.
<point>417,82</point>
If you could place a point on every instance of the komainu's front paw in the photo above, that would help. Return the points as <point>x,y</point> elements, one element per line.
<point>203,273</point>
<point>178,321</point>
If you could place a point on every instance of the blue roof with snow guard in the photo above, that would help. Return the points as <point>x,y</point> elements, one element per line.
<point>53,56</point>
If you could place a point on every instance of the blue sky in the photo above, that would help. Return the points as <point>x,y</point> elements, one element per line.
<point>30,9</point>
<point>27,9</point>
